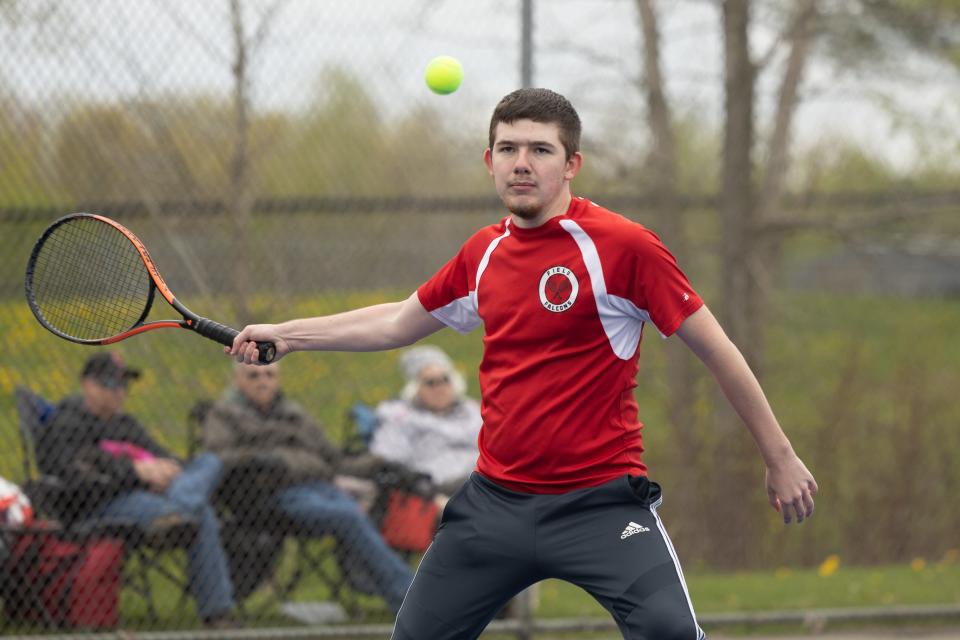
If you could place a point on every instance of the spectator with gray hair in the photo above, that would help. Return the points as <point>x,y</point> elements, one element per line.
<point>255,425</point>
<point>433,426</point>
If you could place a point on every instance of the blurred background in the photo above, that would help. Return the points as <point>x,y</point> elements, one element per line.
<point>284,158</point>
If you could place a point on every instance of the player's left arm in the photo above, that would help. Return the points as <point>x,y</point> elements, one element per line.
<point>790,486</point>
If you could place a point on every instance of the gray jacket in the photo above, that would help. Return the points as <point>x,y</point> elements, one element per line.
<point>285,437</point>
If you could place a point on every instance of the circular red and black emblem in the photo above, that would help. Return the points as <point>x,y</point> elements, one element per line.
<point>558,289</point>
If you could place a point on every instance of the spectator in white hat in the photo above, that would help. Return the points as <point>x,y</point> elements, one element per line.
<point>433,426</point>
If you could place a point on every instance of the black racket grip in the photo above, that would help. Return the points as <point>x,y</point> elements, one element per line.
<point>225,335</point>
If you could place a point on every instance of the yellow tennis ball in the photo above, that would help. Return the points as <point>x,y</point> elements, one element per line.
<point>444,74</point>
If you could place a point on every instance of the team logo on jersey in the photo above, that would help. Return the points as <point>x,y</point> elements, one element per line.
<point>558,289</point>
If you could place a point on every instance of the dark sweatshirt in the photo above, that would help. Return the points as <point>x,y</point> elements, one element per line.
<point>69,448</point>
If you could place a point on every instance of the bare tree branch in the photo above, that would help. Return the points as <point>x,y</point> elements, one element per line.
<point>768,57</point>
<point>800,37</point>
<point>664,146</point>
<point>159,131</point>
<point>266,22</point>
<point>186,26</point>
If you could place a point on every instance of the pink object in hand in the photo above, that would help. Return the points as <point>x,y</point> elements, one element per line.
<point>120,449</point>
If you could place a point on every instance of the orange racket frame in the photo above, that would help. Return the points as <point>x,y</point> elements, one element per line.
<point>204,326</point>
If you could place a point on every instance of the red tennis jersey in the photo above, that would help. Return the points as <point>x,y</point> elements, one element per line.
<point>563,308</point>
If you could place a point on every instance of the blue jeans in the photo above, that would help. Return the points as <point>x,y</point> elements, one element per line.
<point>322,509</point>
<point>189,496</point>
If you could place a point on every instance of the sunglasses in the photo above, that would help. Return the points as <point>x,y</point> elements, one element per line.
<point>435,382</point>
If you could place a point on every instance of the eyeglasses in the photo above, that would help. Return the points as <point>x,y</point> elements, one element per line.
<point>435,382</point>
<point>112,383</point>
<point>253,375</point>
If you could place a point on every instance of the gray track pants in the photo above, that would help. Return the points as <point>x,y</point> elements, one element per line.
<point>492,543</point>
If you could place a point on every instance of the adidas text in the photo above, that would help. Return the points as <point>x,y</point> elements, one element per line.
<point>631,529</point>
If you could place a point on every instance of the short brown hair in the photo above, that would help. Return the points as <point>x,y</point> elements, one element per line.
<point>539,105</point>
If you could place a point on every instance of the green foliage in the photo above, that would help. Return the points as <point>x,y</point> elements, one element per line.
<point>96,147</point>
<point>838,167</point>
<point>165,149</point>
<point>178,148</point>
<point>865,391</point>
<point>23,179</point>
<point>181,368</point>
<point>336,147</point>
<point>427,157</point>
<point>698,152</point>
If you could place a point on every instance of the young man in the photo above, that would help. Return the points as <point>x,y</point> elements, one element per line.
<point>563,288</point>
<point>143,482</point>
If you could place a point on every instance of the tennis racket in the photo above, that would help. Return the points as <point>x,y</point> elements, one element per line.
<point>90,280</point>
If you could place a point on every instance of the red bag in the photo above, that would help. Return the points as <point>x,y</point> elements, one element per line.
<point>70,584</point>
<point>409,522</point>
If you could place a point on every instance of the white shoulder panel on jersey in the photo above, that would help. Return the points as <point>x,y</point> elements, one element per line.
<point>621,319</point>
<point>460,315</point>
<point>485,260</point>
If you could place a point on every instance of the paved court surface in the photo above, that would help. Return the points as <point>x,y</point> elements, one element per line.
<point>866,633</point>
<point>937,634</point>
<point>847,635</point>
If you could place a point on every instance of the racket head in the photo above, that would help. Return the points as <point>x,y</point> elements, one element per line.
<point>88,279</point>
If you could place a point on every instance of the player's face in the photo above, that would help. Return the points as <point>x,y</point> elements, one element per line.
<point>259,383</point>
<point>531,171</point>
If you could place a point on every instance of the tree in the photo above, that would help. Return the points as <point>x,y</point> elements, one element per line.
<point>240,189</point>
<point>754,173</point>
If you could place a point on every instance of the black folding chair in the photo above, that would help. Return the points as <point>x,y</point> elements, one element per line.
<point>404,510</point>
<point>51,500</point>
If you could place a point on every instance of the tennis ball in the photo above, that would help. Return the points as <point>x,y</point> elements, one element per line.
<point>444,74</point>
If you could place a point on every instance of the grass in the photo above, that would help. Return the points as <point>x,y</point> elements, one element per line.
<point>829,586</point>
<point>789,589</point>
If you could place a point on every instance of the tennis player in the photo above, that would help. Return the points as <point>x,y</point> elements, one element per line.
<point>563,289</point>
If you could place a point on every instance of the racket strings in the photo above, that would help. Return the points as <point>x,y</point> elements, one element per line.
<point>89,281</point>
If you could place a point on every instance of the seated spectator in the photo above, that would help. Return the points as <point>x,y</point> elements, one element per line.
<point>254,424</point>
<point>433,427</point>
<point>138,480</point>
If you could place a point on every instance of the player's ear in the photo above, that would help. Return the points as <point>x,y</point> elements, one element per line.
<point>574,164</point>
<point>488,160</point>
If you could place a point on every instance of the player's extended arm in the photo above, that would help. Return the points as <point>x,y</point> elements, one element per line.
<point>375,328</point>
<point>790,486</point>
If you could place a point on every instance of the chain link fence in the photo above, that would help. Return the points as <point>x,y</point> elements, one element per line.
<point>272,156</point>
<point>283,158</point>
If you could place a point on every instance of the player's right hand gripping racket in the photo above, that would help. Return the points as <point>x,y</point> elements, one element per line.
<point>90,280</point>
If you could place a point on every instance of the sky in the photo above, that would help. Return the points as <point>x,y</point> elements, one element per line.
<point>586,49</point>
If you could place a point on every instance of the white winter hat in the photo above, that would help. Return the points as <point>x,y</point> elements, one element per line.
<point>414,360</point>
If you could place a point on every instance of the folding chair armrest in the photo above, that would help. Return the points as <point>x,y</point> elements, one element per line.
<point>120,528</point>
<point>396,476</point>
<point>47,484</point>
<point>46,493</point>
<point>44,526</point>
